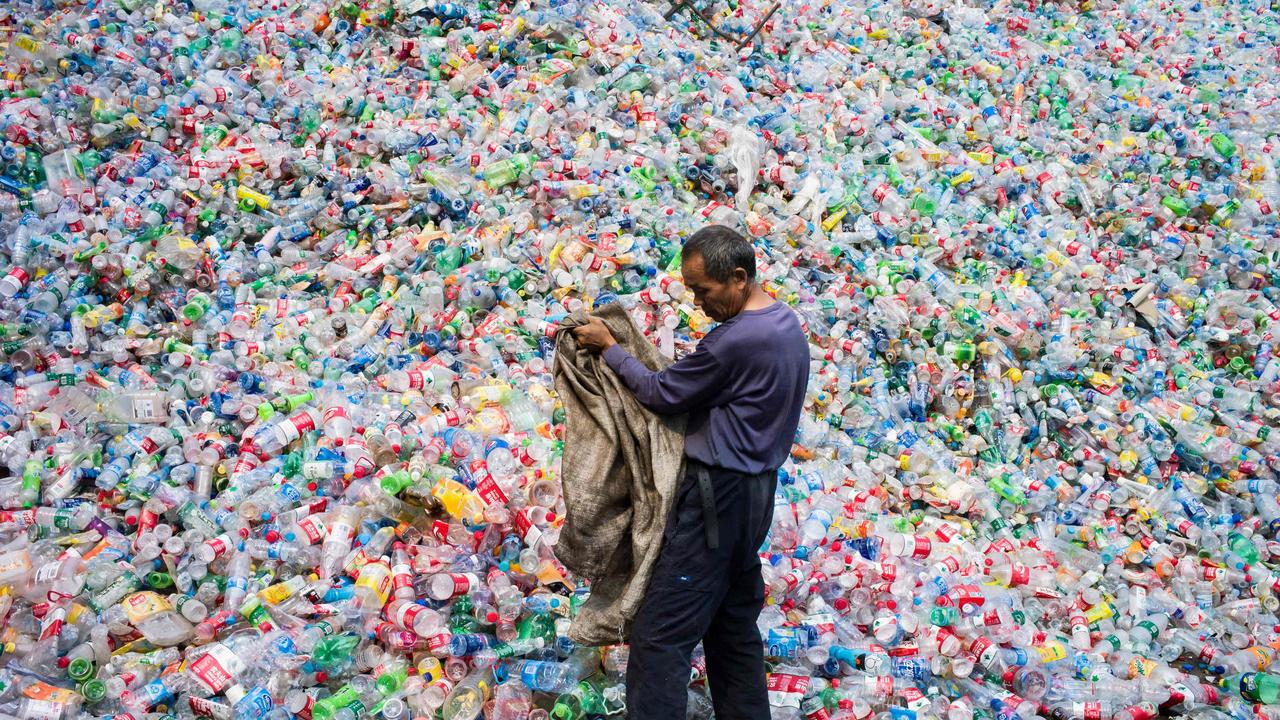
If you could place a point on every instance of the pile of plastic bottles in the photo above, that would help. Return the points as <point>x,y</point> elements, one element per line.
<point>280,282</point>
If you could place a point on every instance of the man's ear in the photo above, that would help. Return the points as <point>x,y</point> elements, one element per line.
<point>739,276</point>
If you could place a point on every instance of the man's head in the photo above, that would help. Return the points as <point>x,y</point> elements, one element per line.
<point>719,268</point>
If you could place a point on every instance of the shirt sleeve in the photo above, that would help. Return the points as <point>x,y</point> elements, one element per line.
<point>686,384</point>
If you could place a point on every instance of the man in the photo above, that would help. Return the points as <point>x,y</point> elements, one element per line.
<point>742,389</point>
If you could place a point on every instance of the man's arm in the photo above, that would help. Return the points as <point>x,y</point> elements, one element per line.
<point>692,381</point>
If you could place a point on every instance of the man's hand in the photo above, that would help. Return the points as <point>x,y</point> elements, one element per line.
<point>594,336</point>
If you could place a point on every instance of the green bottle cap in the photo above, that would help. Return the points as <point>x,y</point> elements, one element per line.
<point>80,669</point>
<point>93,690</point>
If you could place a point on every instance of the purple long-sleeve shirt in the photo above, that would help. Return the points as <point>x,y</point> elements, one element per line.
<point>743,389</point>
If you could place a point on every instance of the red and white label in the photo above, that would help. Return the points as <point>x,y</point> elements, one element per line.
<point>786,690</point>
<point>983,649</point>
<point>207,708</point>
<point>486,487</point>
<point>216,668</point>
<point>303,422</point>
<point>1087,710</point>
<point>463,582</point>
<point>529,532</point>
<point>438,642</point>
<point>884,686</point>
<point>218,545</point>
<point>440,530</point>
<point>401,577</point>
<point>405,613</point>
<point>923,546</point>
<point>313,528</point>
<point>1019,575</point>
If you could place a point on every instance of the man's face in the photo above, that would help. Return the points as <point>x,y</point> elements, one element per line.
<point>718,300</point>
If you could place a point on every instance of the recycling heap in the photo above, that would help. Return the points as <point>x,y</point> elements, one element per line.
<point>280,284</point>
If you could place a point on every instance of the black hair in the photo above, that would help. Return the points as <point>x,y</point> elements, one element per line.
<point>722,250</point>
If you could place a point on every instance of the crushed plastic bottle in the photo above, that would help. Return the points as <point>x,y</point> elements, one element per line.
<point>281,282</point>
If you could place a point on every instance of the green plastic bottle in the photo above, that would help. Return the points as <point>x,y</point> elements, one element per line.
<point>505,172</point>
<point>1223,145</point>
<point>1255,687</point>
<point>586,698</point>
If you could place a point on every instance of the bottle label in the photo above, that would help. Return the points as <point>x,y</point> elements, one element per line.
<point>462,582</point>
<point>377,578</point>
<point>202,707</point>
<point>290,494</point>
<point>216,668</point>
<point>1249,688</point>
<point>813,709</point>
<point>317,470</point>
<point>1141,667</point>
<point>142,605</point>
<point>923,546</point>
<point>44,710</point>
<point>786,691</point>
<point>401,576</point>
<point>53,696</point>
<point>341,531</point>
<point>1207,653</point>
<point>783,642</point>
<point>47,572</point>
<point>489,492</point>
<point>302,422</point>
<point>218,545</point>
<point>883,686</point>
<point>529,532</point>
<point>916,700</point>
<point>116,591</point>
<point>1020,575</point>
<point>52,623</point>
<point>440,530</point>
<point>144,409</point>
<point>823,622</point>
<point>255,705</point>
<point>405,613</point>
<point>1087,710</point>
<point>983,649</point>
<point>530,674</point>
<point>1052,651</point>
<point>20,518</point>
<point>154,693</point>
<point>313,528</point>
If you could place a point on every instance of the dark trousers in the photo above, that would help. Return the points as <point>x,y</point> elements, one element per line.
<point>706,587</point>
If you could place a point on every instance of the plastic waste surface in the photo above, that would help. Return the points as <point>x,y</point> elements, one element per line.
<point>279,286</point>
